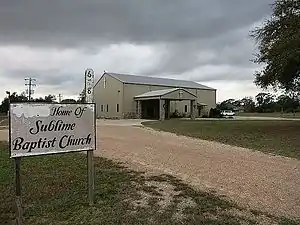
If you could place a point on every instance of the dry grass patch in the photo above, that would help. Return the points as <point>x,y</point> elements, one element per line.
<point>55,192</point>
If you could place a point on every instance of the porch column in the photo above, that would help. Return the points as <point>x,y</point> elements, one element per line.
<point>193,109</point>
<point>161,109</point>
<point>139,109</point>
<point>167,108</point>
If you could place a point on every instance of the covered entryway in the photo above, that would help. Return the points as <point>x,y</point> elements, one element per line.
<point>150,109</point>
<point>156,104</point>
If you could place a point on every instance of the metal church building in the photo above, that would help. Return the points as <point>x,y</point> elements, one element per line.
<point>129,96</point>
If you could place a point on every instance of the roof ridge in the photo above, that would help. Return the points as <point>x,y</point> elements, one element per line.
<point>151,77</point>
<point>150,80</point>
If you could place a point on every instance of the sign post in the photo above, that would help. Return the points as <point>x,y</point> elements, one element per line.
<point>19,209</point>
<point>89,98</point>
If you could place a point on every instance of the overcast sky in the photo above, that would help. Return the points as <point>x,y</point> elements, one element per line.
<point>206,41</point>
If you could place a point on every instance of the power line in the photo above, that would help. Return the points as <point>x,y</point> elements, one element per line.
<point>30,84</point>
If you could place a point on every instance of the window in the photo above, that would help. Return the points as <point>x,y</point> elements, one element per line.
<point>104,82</point>
<point>185,108</point>
<point>117,107</point>
<point>107,108</point>
<point>101,108</point>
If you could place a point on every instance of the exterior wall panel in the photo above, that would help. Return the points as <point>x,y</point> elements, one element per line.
<point>115,92</point>
<point>109,94</point>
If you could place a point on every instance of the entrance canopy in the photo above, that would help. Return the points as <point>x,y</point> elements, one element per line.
<point>170,94</point>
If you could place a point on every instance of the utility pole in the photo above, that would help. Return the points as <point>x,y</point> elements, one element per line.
<point>30,84</point>
<point>59,98</point>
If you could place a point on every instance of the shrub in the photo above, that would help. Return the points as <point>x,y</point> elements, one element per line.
<point>215,113</point>
<point>176,114</point>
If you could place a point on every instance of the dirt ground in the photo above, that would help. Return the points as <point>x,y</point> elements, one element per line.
<point>253,179</point>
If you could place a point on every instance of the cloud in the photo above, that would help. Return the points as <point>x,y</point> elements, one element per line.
<point>62,70</point>
<point>55,41</point>
<point>233,89</point>
<point>72,22</point>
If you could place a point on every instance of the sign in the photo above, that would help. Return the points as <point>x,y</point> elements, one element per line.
<point>39,129</point>
<point>89,98</point>
<point>89,85</point>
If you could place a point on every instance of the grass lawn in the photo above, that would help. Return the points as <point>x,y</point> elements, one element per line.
<point>276,114</point>
<point>277,137</point>
<point>54,192</point>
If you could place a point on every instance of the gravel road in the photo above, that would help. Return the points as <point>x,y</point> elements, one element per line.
<point>260,181</point>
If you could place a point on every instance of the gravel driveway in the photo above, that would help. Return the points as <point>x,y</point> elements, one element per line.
<point>260,181</point>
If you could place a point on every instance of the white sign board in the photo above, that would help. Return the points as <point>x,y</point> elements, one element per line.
<point>38,129</point>
<point>89,85</point>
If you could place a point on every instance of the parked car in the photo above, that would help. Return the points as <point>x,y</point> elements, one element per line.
<point>227,113</point>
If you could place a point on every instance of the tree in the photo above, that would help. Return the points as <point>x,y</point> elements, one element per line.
<point>287,104</point>
<point>50,98</point>
<point>68,101</point>
<point>14,98</point>
<point>279,47</point>
<point>47,98</point>
<point>265,102</point>
<point>248,104</point>
<point>81,98</point>
<point>227,104</point>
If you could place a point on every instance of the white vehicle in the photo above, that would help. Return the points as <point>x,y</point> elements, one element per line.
<point>227,113</point>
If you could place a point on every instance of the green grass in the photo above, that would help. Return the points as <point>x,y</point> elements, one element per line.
<point>54,192</point>
<point>276,114</point>
<point>276,137</point>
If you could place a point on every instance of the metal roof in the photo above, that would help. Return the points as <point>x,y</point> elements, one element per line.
<point>132,79</point>
<point>157,93</point>
<point>160,93</point>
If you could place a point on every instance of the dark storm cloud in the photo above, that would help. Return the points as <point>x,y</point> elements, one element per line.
<point>234,49</point>
<point>77,22</point>
<point>200,40</point>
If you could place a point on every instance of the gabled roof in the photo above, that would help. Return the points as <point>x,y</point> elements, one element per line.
<point>160,93</point>
<point>132,79</point>
<point>157,93</point>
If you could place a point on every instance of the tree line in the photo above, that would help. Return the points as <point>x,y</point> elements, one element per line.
<point>263,103</point>
<point>18,98</point>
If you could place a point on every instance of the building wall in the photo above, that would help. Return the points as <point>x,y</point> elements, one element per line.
<point>131,90</point>
<point>204,96</point>
<point>110,95</point>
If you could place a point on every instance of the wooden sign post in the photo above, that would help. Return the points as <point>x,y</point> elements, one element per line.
<point>18,201</point>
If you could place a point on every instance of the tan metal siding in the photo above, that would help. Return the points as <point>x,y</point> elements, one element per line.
<point>111,95</point>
